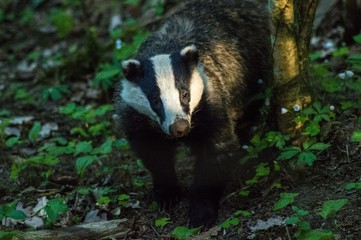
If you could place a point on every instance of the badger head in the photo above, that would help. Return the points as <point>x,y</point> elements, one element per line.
<point>167,88</point>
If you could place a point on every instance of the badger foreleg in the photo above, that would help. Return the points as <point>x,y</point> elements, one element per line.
<point>158,156</point>
<point>216,160</point>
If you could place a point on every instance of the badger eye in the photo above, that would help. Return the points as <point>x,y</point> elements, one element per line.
<point>184,96</point>
<point>156,102</point>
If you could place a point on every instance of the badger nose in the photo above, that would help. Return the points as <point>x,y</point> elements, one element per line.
<point>179,128</point>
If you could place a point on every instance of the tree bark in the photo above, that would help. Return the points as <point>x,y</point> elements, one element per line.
<point>96,230</point>
<point>291,32</point>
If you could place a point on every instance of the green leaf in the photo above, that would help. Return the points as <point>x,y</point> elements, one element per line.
<point>332,206</point>
<point>59,150</point>
<point>313,128</point>
<point>332,85</point>
<point>289,153</point>
<point>182,232</point>
<point>341,52</point>
<point>244,193</point>
<point>285,200</point>
<point>132,2</point>
<point>54,207</point>
<point>242,213</point>
<point>123,199</point>
<point>83,147</point>
<point>63,22</point>
<point>43,159</point>
<point>292,220</point>
<point>82,163</point>
<point>162,222</point>
<point>229,222</point>
<point>357,38</point>
<point>104,149</point>
<point>306,158</point>
<point>353,185</point>
<point>300,212</point>
<point>104,200</point>
<point>68,109</point>
<point>10,235</point>
<point>315,55</point>
<point>356,136</point>
<point>11,141</point>
<point>314,235</point>
<point>18,215</point>
<point>107,73</point>
<point>319,146</point>
<point>262,170</point>
<point>304,226</point>
<point>34,132</point>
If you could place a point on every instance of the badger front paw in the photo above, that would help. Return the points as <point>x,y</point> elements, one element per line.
<point>166,198</point>
<point>203,214</point>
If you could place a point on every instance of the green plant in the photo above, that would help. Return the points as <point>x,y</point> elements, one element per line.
<point>356,136</point>
<point>353,185</point>
<point>34,132</point>
<point>55,92</point>
<point>9,211</point>
<point>285,200</point>
<point>306,155</point>
<point>329,208</point>
<point>123,200</point>
<point>182,232</point>
<point>10,235</point>
<point>311,117</point>
<point>231,221</point>
<point>162,222</point>
<point>54,208</point>
<point>63,21</point>
<point>304,230</point>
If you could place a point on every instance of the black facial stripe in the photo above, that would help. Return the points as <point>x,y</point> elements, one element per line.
<point>151,90</point>
<point>182,77</point>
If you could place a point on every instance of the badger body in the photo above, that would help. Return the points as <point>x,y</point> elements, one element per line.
<point>191,81</point>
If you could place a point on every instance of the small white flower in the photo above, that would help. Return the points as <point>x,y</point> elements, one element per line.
<point>244,147</point>
<point>332,107</point>
<point>267,102</point>
<point>260,81</point>
<point>342,75</point>
<point>347,74</point>
<point>328,44</point>
<point>296,108</point>
<point>283,110</point>
<point>118,44</point>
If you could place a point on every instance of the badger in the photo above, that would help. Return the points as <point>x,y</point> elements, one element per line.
<point>192,81</point>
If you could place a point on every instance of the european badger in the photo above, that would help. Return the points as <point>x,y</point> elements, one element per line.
<point>190,82</point>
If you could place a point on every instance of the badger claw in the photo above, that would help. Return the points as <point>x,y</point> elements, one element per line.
<point>166,198</point>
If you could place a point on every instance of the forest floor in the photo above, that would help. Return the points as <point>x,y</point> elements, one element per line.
<point>55,108</point>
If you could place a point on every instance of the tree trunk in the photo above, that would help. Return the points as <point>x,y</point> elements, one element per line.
<point>291,32</point>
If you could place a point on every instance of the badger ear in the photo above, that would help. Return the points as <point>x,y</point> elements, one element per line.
<point>190,54</point>
<point>132,69</point>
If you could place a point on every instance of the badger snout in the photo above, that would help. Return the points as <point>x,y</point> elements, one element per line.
<point>179,128</point>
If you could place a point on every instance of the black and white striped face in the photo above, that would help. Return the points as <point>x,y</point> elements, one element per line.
<point>166,88</point>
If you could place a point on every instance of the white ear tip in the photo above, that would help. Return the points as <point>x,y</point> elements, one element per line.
<point>191,48</point>
<point>126,63</point>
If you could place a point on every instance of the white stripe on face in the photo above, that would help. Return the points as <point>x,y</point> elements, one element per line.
<point>135,97</point>
<point>169,94</point>
<point>197,87</point>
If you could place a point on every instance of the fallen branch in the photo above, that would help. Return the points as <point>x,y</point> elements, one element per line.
<point>95,230</point>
